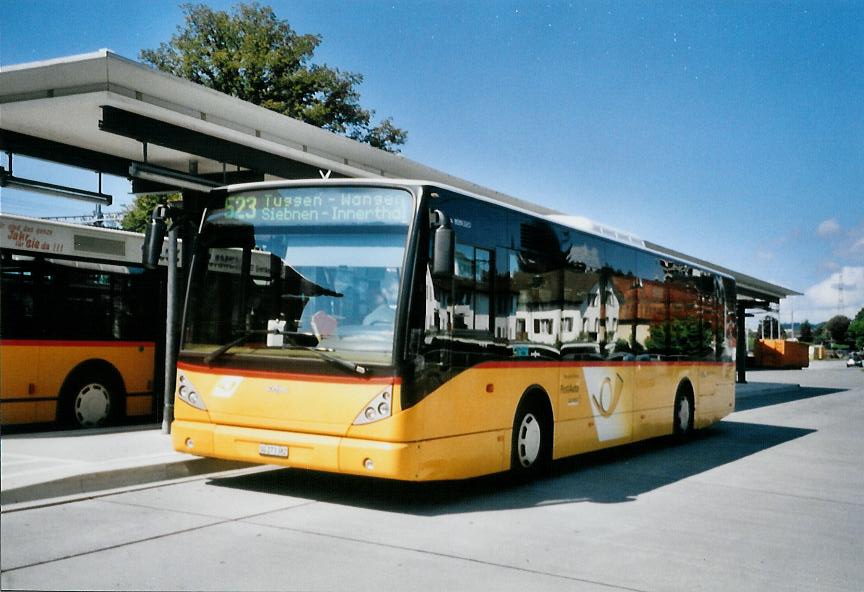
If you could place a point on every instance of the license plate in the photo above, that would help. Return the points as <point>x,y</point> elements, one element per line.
<point>273,450</point>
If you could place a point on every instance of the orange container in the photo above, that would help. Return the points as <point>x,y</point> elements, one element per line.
<point>782,353</point>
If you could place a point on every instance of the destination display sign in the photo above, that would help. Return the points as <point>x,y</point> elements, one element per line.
<point>321,205</point>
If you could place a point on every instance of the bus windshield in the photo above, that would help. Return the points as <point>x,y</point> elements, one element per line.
<point>299,272</point>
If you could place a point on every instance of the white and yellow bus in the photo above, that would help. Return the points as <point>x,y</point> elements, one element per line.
<point>410,331</point>
<point>79,321</point>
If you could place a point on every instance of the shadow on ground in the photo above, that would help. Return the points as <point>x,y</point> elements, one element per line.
<point>780,395</point>
<point>614,476</point>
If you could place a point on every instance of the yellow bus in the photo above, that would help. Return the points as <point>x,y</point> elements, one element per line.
<point>411,331</point>
<point>79,318</point>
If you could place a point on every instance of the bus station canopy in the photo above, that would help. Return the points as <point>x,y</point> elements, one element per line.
<point>106,113</point>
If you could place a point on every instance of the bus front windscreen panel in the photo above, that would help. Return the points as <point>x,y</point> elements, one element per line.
<point>292,273</point>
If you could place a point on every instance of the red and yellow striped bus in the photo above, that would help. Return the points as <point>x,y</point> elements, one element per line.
<point>79,320</point>
<point>411,331</point>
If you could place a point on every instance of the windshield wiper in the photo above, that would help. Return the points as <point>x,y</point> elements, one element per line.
<point>352,367</point>
<point>241,339</point>
<point>349,366</point>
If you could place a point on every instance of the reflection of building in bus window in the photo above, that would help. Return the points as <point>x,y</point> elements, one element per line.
<point>384,311</point>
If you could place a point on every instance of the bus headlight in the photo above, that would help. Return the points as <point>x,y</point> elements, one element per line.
<point>188,393</point>
<point>381,407</point>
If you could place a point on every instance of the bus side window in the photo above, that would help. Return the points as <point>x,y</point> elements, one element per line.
<point>18,299</point>
<point>505,296</point>
<point>472,288</point>
<point>651,308</point>
<point>536,283</point>
<point>689,336</point>
<point>621,289</point>
<point>582,297</point>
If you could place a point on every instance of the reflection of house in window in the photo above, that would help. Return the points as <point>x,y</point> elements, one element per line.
<point>471,310</point>
<point>543,327</point>
<point>521,333</point>
<point>437,306</point>
<point>591,312</point>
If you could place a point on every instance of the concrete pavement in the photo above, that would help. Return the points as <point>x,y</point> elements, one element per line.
<point>41,466</point>
<point>70,463</point>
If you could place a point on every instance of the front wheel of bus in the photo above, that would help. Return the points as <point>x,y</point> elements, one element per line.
<point>90,402</point>
<point>531,446</point>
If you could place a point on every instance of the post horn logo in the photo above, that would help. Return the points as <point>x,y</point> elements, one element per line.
<point>609,395</point>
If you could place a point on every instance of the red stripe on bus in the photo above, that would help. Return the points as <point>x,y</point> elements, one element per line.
<point>594,363</point>
<point>67,343</point>
<point>276,374</point>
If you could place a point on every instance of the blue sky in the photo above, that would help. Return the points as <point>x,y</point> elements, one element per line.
<point>730,131</point>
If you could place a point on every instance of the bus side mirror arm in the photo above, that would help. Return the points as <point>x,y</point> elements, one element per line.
<point>154,236</point>
<point>443,246</point>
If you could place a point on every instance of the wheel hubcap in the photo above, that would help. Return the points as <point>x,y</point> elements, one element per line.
<point>92,405</point>
<point>528,440</point>
<point>683,415</point>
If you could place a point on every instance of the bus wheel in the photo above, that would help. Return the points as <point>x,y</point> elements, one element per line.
<point>682,421</point>
<point>89,402</point>
<point>531,446</point>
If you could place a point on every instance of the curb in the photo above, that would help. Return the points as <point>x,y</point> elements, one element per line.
<point>114,479</point>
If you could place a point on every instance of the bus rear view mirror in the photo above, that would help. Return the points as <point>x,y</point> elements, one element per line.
<point>443,247</point>
<point>154,237</point>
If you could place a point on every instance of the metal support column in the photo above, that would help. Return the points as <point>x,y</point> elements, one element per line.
<point>171,329</point>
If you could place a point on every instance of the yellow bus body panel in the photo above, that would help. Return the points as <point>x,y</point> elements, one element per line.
<point>462,429</point>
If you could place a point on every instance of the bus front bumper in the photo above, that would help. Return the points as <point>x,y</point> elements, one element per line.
<point>293,449</point>
<point>455,457</point>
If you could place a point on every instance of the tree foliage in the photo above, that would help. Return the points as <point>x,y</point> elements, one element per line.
<point>806,332</point>
<point>254,56</point>
<point>137,214</point>
<point>855,333</point>
<point>837,327</point>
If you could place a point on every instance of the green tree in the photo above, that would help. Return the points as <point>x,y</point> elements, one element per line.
<point>820,334</point>
<point>137,214</point>
<point>837,327</point>
<point>254,56</point>
<point>806,332</point>
<point>855,333</point>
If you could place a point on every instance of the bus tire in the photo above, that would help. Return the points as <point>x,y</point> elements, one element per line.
<point>531,443</point>
<point>90,400</point>
<point>683,412</point>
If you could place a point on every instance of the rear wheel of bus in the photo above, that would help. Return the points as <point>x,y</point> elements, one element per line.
<point>89,399</point>
<point>682,420</point>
